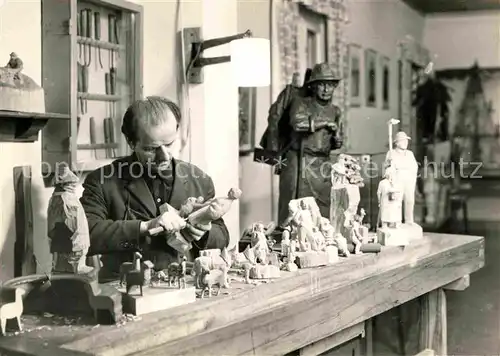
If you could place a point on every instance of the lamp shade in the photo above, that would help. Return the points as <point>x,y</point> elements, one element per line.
<point>251,62</point>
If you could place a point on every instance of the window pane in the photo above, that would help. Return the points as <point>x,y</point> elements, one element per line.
<point>311,48</point>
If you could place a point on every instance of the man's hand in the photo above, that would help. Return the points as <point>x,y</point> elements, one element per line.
<point>170,221</point>
<point>197,231</point>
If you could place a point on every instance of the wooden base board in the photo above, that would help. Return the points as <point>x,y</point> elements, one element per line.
<point>157,298</point>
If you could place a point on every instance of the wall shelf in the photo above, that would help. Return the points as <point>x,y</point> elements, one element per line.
<point>98,97</point>
<point>100,53</point>
<point>99,44</point>
<point>18,126</point>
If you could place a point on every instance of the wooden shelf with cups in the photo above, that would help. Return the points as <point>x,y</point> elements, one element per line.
<point>92,71</point>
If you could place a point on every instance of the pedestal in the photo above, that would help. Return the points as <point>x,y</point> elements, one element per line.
<point>157,298</point>
<point>312,259</point>
<point>333,254</point>
<point>400,236</point>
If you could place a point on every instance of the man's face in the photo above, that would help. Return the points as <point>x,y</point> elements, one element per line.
<point>156,145</point>
<point>324,90</point>
<point>402,143</point>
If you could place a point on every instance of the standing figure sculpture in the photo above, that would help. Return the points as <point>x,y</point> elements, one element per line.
<point>67,226</point>
<point>406,170</point>
<point>315,131</point>
<point>389,200</point>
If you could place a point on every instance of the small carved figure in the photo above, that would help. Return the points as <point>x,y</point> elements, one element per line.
<point>208,263</point>
<point>285,241</point>
<point>159,276</point>
<point>259,241</point>
<point>304,222</point>
<point>389,200</point>
<point>354,234</point>
<point>328,232</point>
<point>177,273</point>
<point>15,66</point>
<point>12,310</point>
<point>67,225</point>
<point>209,279</point>
<point>318,240</point>
<point>135,277</point>
<point>341,243</point>
<point>244,260</point>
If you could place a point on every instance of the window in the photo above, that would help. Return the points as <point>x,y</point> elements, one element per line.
<point>311,40</point>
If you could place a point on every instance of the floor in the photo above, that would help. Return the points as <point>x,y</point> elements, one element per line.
<point>474,314</point>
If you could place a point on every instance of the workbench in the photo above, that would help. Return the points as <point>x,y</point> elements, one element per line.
<point>306,312</point>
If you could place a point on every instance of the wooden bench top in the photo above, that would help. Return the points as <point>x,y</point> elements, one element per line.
<point>278,317</point>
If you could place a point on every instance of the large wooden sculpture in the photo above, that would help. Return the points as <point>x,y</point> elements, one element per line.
<point>67,225</point>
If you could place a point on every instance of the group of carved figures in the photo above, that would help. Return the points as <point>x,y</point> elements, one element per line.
<point>142,274</point>
<point>308,231</point>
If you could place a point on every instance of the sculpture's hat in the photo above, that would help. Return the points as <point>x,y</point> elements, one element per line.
<point>401,136</point>
<point>64,175</point>
<point>323,72</point>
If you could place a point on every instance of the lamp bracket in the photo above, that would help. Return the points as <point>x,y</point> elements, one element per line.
<point>193,52</point>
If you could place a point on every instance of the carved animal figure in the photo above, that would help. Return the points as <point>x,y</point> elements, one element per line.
<point>208,263</point>
<point>211,278</point>
<point>125,268</point>
<point>12,310</point>
<point>244,260</point>
<point>177,273</point>
<point>136,276</point>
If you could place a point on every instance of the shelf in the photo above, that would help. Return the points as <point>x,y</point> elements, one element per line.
<point>99,44</point>
<point>96,146</point>
<point>18,126</point>
<point>98,97</point>
<point>89,166</point>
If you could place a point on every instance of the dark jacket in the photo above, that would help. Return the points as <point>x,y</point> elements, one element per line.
<point>116,199</point>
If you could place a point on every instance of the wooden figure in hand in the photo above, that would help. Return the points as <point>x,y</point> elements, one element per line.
<point>204,213</point>
<point>67,226</point>
<point>12,310</point>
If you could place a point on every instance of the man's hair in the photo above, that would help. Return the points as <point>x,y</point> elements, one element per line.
<point>147,112</point>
